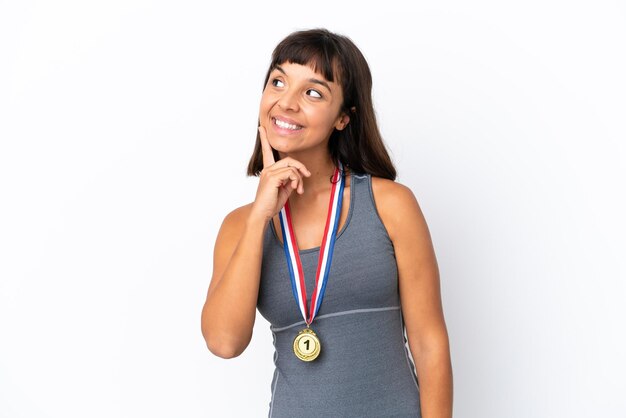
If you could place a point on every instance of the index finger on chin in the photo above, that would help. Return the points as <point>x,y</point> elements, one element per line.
<point>266,148</point>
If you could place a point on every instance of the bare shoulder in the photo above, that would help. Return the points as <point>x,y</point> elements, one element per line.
<point>234,219</point>
<point>397,207</point>
<point>232,227</point>
<point>388,188</point>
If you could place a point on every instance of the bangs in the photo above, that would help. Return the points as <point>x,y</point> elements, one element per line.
<point>319,53</point>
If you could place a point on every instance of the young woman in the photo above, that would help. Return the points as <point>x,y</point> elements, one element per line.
<point>333,252</point>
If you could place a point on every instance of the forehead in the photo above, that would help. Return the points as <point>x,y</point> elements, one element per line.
<point>309,71</point>
<point>291,67</point>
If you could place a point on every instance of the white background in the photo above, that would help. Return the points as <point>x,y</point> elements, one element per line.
<point>126,127</point>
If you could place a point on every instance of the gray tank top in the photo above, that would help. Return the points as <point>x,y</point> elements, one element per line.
<point>364,368</point>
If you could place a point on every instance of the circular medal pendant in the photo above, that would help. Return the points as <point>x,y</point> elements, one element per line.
<point>306,345</point>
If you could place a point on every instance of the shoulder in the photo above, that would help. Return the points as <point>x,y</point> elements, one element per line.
<point>234,221</point>
<point>232,228</point>
<point>238,214</point>
<point>392,196</point>
<point>397,207</point>
<point>388,188</point>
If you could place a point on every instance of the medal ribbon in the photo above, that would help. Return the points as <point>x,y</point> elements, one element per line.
<point>296,274</point>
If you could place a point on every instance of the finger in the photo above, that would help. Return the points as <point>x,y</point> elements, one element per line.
<point>266,148</point>
<point>290,175</point>
<point>299,186</point>
<point>290,162</point>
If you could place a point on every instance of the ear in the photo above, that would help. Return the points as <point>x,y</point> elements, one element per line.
<point>342,122</point>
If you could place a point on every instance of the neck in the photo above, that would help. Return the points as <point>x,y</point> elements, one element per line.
<point>321,167</point>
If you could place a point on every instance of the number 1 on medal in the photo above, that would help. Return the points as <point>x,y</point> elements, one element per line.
<point>306,345</point>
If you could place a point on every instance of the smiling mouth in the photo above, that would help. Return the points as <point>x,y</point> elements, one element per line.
<point>284,125</point>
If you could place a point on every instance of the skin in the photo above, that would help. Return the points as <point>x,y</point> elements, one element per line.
<point>302,176</point>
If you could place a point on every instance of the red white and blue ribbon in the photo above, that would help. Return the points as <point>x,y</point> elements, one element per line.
<point>292,254</point>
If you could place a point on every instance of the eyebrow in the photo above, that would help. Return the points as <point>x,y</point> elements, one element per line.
<point>312,80</point>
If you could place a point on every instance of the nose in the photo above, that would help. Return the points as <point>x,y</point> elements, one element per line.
<point>289,101</point>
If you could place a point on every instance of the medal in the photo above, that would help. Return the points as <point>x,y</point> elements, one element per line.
<point>306,345</point>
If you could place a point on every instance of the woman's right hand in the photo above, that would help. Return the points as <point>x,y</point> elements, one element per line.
<point>277,181</point>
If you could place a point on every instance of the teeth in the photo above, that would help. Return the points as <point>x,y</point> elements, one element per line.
<point>286,125</point>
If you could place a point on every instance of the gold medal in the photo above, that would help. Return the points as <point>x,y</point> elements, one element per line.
<point>307,345</point>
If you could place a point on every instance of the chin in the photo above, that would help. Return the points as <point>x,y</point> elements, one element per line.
<point>282,144</point>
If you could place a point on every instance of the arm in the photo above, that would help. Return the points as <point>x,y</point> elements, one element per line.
<point>229,311</point>
<point>230,308</point>
<point>420,295</point>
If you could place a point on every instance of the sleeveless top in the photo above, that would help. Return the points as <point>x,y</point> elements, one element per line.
<point>364,368</point>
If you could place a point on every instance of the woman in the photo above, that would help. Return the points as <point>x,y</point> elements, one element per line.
<point>360,279</point>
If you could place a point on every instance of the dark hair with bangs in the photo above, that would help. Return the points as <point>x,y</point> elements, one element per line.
<point>359,146</point>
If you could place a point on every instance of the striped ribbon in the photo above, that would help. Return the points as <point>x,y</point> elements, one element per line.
<point>292,254</point>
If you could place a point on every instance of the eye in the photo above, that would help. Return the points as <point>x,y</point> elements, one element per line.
<point>277,83</point>
<point>314,93</point>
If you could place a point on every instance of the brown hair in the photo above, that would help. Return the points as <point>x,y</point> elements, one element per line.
<point>359,146</point>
